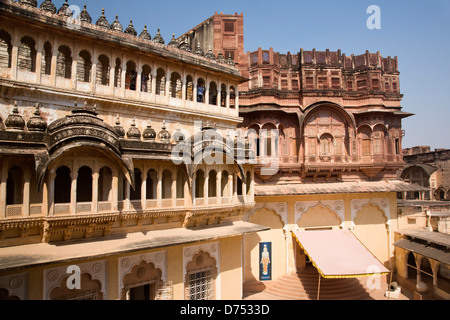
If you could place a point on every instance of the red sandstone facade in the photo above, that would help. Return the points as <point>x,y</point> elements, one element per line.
<point>339,116</point>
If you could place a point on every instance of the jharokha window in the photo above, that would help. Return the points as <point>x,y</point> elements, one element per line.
<point>200,277</point>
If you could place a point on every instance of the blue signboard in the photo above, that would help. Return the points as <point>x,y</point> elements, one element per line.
<point>265,261</point>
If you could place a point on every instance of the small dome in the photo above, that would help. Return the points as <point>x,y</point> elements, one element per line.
<point>145,35</point>
<point>37,123</point>
<point>116,26</point>
<point>210,54</point>
<point>164,135</point>
<point>198,50</point>
<point>230,61</point>
<point>32,3</point>
<point>173,42</point>
<point>221,58</point>
<point>133,132</point>
<point>48,5</point>
<point>158,38</point>
<point>102,22</point>
<point>149,133</point>
<point>119,129</point>
<point>130,29</point>
<point>85,16</point>
<point>15,120</point>
<point>65,10</point>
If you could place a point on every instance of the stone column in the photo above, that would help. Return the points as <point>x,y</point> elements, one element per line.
<point>73,193</point>
<point>144,189</point>
<point>153,73</point>
<point>159,189</point>
<point>26,193</point>
<point>115,191</point>
<point>206,188</point>
<point>95,176</point>
<point>51,193</point>
<point>219,187</point>
<point>14,57</point>
<point>174,188</point>
<point>183,90</point>
<point>4,178</point>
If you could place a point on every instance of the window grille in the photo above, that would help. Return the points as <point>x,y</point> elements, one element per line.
<point>201,285</point>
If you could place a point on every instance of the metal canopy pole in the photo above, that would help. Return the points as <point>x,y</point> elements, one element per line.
<point>318,289</point>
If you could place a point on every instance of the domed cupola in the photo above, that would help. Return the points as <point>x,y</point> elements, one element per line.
<point>173,42</point>
<point>198,50</point>
<point>65,10</point>
<point>130,29</point>
<point>85,16</point>
<point>119,129</point>
<point>48,5</point>
<point>134,133</point>
<point>164,135</point>
<point>149,133</point>
<point>102,22</point>
<point>32,3</point>
<point>145,35</point>
<point>158,38</point>
<point>15,120</point>
<point>210,54</point>
<point>116,25</point>
<point>37,122</point>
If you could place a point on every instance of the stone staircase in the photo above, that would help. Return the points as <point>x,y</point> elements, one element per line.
<point>304,285</point>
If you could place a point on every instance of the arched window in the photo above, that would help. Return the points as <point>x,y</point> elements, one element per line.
<point>212,184</point>
<point>84,66</point>
<point>232,97</point>
<point>64,62</point>
<point>224,184</point>
<point>152,179</point>
<point>248,182</point>
<point>201,90</point>
<point>212,93</point>
<point>378,138</point>
<point>105,184</point>
<point>131,76</point>
<point>118,73</point>
<point>166,184</point>
<point>175,85</point>
<point>5,49</point>
<point>326,142</point>
<point>189,88</point>
<point>63,185</point>
<point>269,140</point>
<point>47,59</point>
<point>161,82</point>
<point>146,78</point>
<point>103,70</point>
<point>135,194</point>
<point>84,184</point>
<point>223,95</point>
<point>364,138</point>
<point>27,54</point>
<point>199,184</point>
<point>181,181</point>
<point>14,186</point>
<point>239,186</point>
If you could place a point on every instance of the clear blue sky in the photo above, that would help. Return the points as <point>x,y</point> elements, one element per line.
<point>418,32</point>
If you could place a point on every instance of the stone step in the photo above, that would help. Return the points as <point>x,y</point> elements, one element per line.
<point>304,286</point>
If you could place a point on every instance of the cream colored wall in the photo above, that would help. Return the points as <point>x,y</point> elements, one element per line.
<point>229,265</point>
<point>370,224</point>
<point>230,268</point>
<point>276,236</point>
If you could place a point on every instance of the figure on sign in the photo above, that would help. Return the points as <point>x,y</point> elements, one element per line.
<point>265,260</point>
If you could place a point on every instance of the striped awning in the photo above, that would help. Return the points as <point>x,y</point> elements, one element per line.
<point>339,254</point>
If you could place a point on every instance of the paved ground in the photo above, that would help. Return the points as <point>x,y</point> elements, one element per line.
<point>376,295</point>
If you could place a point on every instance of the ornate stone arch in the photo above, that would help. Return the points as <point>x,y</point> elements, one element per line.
<point>383,204</point>
<point>335,206</point>
<point>202,257</point>
<point>279,208</point>
<point>93,281</point>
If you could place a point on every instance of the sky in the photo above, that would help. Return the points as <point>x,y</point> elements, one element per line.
<point>417,32</point>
